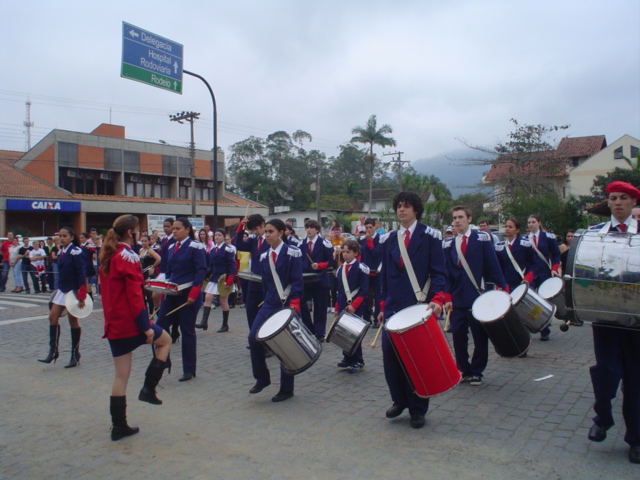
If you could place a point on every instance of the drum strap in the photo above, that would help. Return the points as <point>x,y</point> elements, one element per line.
<point>466,267</point>
<point>184,285</point>
<point>513,260</point>
<point>542,257</point>
<point>276,279</point>
<point>421,295</point>
<point>345,283</point>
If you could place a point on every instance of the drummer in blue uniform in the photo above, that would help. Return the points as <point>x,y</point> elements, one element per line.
<point>165,244</point>
<point>371,253</point>
<point>547,257</point>
<point>317,257</point>
<point>352,297</point>
<point>516,256</point>
<point>462,290</point>
<point>424,248</point>
<point>186,267</point>
<point>255,244</point>
<point>286,261</point>
<point>617,350</point>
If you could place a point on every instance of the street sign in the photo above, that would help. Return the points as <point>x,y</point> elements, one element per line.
<point>151,59</point>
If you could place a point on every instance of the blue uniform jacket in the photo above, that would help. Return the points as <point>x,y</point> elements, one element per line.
<point>222,262</point>
<point>371,257</point>
<point>483,263</point>
<point>189,264</point>
<point>523,254</point>
<point>71,268</point>
<point>548,246</point>
<point>358,277</point>
<point>251,246</point>
<point>289,269</point>
<point>164,252</point>
<point>425,253</point>
<point>322,252</point>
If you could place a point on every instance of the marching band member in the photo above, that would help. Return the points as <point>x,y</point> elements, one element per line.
<point>547,259</point>
<point>221,261</point>
<point>317,257</point>
<point>464,286</point>
<point>186,266</point>
<point>284,259</point>
<point>126,321</point>
<point>71,270</point>
<point>617,350</point>
<point>166,242</point>
<point>424,248</point>
<point>88,251</point>
<point>371,253</point>
<point>515,256</point>
<point>256,245</point>
<point>149,261</point>
<point>353,292</point>
<point>292,239</point>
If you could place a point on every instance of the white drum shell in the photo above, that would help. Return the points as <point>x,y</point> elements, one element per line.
<point>534,311</point>
<point>347,332</point>
<point>552,290</point>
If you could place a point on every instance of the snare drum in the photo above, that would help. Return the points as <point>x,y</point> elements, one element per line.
<point>161,286</point>
<point>423,351</point>
<point>310,277</point>
<point>290,341</point>
<point>252,277</point>
<point>347,332</point>
<point>552,290</point>
<point>498,316</point>
<point>533,309</point>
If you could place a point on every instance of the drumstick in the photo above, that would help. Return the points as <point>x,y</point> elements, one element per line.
<point>246,211</point>
<point>375,340</point>
<point>310,260</point>
<point>176,309</point>
<point>335,319</point>
<point>154,313</point>
<point>446,322</point>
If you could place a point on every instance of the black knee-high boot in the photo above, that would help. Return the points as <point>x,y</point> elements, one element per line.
<point>120,428</point>
<point>75,348</point>
<point>225,322</point>
<point>151,380</point>
<point>204,323</point>
<point>54,338</point>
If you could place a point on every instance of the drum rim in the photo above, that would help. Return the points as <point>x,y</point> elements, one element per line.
<point>292,313</point>
<point>358,339</point>
<point>493,292</point>
<point>301,369</point>
<point>422,320</point>
<point>519,299</point>
<point>551,281</point>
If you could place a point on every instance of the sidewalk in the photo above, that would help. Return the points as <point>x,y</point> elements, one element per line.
<point>54,422</point>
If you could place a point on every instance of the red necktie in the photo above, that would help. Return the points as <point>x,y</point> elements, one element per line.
<point>259,244</point>
<point>535,240</point>
<point>274,256</point>
<point>310,247</point>
<point>217,248</point>
<point>347,270</point>
<point>164,241</point>
<point>510,245</point>
<point>407,239</point>
<point>622,227</point>
<point>463,248</point>
<point>175,249</point>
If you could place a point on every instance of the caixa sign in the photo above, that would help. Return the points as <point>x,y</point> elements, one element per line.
<point>43,205</point>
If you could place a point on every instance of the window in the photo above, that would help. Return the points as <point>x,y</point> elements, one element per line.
<point>112,159</point>
<point>131,161</point>
<point>67,154</point>
<point>634,152</point>
<point>146,186</point>
<point>617,153</point>
<point>86,182</point>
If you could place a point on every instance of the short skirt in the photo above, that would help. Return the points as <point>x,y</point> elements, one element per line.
<point>212,287</point>
<point>58,298</point>
<point>122,346</point>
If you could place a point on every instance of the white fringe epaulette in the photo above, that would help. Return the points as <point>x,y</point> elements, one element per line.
<point>231,248</point>
<point>383,238</point>
<point>198,245</point>
<point>525,242</point>
<point>437,234</point>
<point>294,251</point>
<point>448,242</point>
<point>75,251</point>
<point>500,246</point>
<point>598,226</point>
<point>327,243</point>
<point>264,255</point>
<point>483,236</point>
<point>252,235</point>
<point>295,241</point>
<point>364,268</point>
<point>129,256</point>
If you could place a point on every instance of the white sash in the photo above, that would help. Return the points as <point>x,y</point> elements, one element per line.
<point>421,295</point>
<point>283,294</point>
<point>513,260</point>
<point>542,257</point>
<point>345,283</point>
<point>466,267</point>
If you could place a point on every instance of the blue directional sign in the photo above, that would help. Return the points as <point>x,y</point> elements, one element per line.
<point>151,59</point>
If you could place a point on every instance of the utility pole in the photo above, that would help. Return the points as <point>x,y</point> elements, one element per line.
<point>398,165</point>
<point>190,117</point>
<point>28,123</point>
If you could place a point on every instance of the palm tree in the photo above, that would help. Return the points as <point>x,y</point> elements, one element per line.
<point>372,135</point>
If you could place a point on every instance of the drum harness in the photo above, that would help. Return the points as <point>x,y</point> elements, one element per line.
<point>345,283</point>
<point>466,267</point>
<point>421,294</point>
<point>276,279</point>
<point>542,257</point>
<point>513,260</point>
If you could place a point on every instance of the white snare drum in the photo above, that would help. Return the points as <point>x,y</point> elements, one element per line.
<point>161,286</point>
<point>347,332</point>
<point>252,277</point>
<point>552,290</point>
<point>534,311</point>
<point>290,341</point>
<point>71,302</point>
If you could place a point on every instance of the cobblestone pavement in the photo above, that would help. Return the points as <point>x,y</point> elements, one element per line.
<point>54,422</point>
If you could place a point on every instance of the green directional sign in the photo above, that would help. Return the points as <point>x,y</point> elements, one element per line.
<point>151,59</point>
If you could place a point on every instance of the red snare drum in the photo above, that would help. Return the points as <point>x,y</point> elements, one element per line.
<point>423,351</point>
<point>161,286</point>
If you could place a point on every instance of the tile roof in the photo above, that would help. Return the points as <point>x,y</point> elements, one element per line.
<point>581,146</point>
<point>16,183</point>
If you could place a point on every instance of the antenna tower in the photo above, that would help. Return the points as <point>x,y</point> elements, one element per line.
<point>28,123</point>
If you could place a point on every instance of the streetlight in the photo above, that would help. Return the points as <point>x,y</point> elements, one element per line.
<point>257,192</point>
<point>190,117</point>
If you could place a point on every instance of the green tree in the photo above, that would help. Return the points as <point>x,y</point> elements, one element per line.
<point>557,214</point>
<point>371,135</point>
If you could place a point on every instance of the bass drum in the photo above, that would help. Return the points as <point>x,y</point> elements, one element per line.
<point>603,278</point>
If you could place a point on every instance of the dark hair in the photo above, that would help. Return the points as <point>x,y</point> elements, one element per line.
<point>49,238</point>
<point>288,227</point>
<point>145,236</point>
<point>352,245</point>
<point>279,226</point>
<point>254,221</point>
<point>169,220</point>
<point>370,221</point>
<point>571,230</point>
<point>206,235</point>
<point>84,234</point>
<point>515,222</point>
<point>221,231</point>
<point>484,220</point>
<point>187,224</point>
<point>463,208</point>
<point>537,217</point>
<point>312,224</point>
<point>409,198</point>
<point>121,225</point>
<point>74,239</point>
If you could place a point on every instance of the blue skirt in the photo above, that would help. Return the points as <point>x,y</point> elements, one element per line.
<point>122,346</point>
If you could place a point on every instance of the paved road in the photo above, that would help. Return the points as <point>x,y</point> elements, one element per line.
<point>54,423</point>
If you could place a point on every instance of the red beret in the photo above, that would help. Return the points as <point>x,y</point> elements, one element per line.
<point>623,187</point>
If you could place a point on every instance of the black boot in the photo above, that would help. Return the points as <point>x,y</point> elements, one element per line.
<point>151,380</point>
<point>175,331</point>
<point>119,419</point>
<point>54,337</point>
<point>75,348</point>
<point>204,323</point>
<point>225,322</point>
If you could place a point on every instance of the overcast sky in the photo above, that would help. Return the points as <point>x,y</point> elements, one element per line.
<point>433,70</point>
